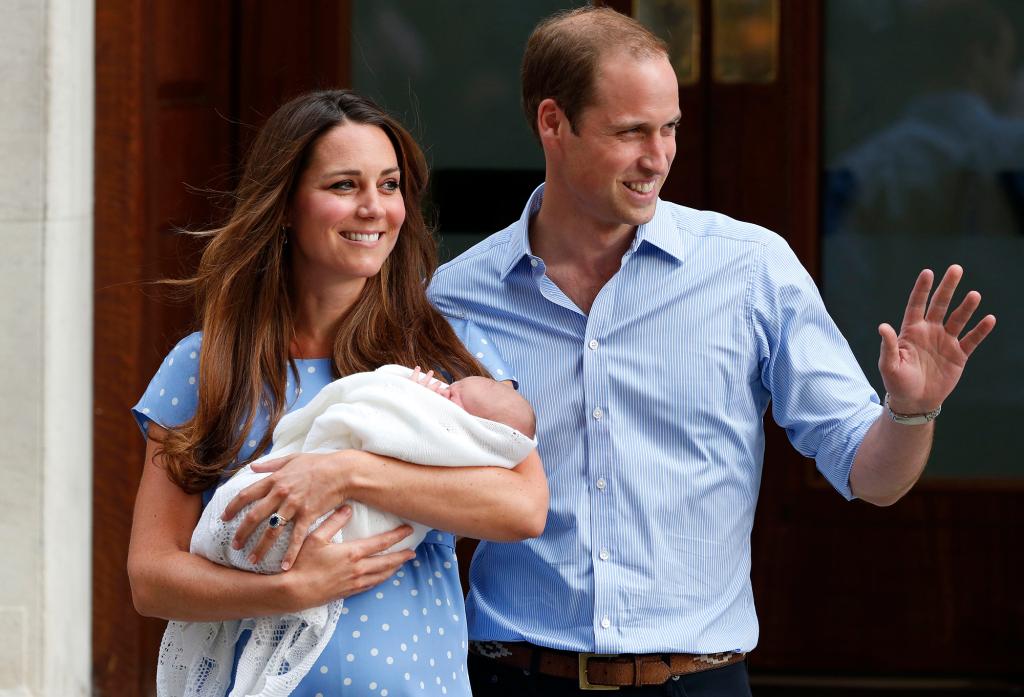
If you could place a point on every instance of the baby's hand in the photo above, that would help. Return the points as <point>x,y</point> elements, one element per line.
<point>429,381</point>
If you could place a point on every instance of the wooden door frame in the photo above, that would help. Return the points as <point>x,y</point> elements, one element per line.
<point>122,171</point>
<point>142,75</point>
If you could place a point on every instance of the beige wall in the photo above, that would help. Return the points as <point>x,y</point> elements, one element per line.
<point>46,68</point>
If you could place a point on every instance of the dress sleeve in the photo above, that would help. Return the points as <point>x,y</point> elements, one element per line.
<point>483,349</point>
<point>172,395</point>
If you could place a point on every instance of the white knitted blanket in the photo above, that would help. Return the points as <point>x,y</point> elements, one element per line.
<point>381,412</point>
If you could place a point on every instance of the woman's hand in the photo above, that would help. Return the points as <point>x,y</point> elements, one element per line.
<point>326,571</point>
<point>302,488</point>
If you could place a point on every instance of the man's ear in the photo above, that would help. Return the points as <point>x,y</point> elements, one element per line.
<point>550,119</point>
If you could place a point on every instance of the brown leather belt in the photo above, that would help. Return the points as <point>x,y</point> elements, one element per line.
<point>595,671</point>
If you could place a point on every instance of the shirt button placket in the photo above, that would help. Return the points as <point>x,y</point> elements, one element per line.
<point>595,393</point>
<point>603,575</point>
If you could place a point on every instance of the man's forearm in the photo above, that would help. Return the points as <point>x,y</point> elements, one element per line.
<point>890,460</point>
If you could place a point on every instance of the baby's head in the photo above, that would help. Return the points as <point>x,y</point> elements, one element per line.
<point>486,398</point>
<point>495,401</point>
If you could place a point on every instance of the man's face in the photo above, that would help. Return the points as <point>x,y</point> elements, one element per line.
<point>613,167</point>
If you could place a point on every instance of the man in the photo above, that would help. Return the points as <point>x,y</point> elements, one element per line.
<point>650,338</point>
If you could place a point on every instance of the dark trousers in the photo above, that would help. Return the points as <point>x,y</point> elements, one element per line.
<point>490,678</point>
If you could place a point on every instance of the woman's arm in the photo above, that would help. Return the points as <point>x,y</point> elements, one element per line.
<point>167,581</point>
<point>490,503</point>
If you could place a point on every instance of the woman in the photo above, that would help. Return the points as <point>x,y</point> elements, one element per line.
<point>319,272</point>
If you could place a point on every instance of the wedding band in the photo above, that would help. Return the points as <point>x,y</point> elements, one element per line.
<point>276,520</point>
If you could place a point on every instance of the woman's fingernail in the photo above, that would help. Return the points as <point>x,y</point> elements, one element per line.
<point>285,566</point>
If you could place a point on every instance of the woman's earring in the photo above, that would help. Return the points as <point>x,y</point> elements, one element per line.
<point>285,229</point>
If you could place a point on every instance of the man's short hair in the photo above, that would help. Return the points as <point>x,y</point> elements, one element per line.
<point>563,51</point>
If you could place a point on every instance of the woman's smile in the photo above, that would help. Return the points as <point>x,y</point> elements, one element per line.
<point>371,237</point>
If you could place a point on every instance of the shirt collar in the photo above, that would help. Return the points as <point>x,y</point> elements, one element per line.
<point>519,241</point>
<point>660,231</point>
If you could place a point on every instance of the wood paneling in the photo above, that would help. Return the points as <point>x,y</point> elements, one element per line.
<point>284,52</point>
<point>123,68</point>
<point>173,80</point>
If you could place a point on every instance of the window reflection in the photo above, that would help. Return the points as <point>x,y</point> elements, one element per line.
<point>450,71</point>
<point>746,41</point>
<point>924,165</point>
<point>678,23</point>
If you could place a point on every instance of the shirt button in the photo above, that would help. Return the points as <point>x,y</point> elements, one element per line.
<point>605,622</point>
<point>594,343</point>
<point>533,263</point>
<point>598,413</point>
<point>604,554</point>
<point>601,484</point>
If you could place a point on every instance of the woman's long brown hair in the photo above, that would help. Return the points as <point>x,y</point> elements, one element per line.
<point>242,291</point>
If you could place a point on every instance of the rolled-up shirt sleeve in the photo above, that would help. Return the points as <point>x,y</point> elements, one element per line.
<point>819,392</point>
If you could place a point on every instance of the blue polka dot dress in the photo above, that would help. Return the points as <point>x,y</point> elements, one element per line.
<point>407,636</point>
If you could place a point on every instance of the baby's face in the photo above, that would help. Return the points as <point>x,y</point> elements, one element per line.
<point>471,394</point>
<point>485,398</point>
<point>454,393</point>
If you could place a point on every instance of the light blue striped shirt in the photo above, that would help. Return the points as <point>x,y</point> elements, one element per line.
<point>650,426</point>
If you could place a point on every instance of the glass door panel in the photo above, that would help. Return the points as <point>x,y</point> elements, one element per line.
<point>924,166</point>
<point>450,72</point>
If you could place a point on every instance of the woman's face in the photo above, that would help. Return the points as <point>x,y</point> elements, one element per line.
<point>347,208</point>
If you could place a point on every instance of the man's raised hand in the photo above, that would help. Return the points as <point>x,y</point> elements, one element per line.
<point>921,366</point>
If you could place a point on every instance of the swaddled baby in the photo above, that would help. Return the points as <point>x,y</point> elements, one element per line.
<point>358,412</point>
<point>392,411</point>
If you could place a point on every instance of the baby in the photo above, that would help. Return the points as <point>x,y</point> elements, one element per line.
<point>484,398</point>
<point>368,418</point>
<point>393,411</point>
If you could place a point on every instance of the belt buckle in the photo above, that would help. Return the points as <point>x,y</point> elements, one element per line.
<point>584,682</point>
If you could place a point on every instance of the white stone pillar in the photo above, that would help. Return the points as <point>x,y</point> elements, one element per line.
<point>46,193</point>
